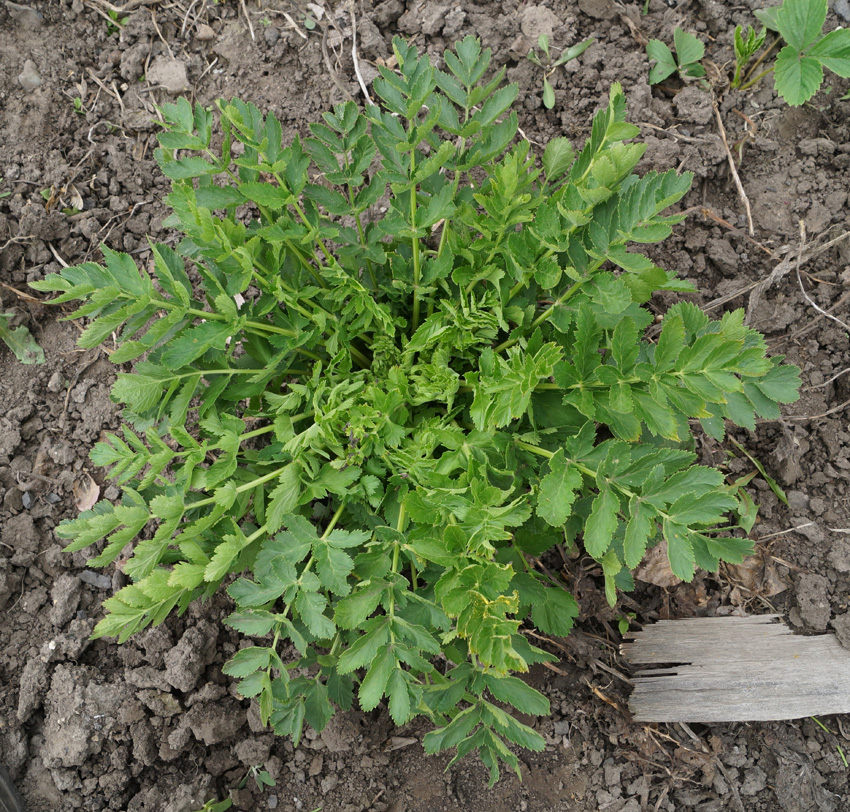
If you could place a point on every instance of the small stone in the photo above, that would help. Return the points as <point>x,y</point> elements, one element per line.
<point>598,9</point>
<point>185,663</point>
<point>20,535</point>
<point>170,73</point>
<point>797,500</point>
<point>817,505</point>
<point>813,600</point>
<point>316,765</point>
<point>723,255</point>
<point>95,579</point>
<point>755,781</point>
<point>428,19</point>
<point>161,703</point>
<point>841,624</point>
<point>271,35</point>
<point>25,16</point>
<point>252,751</point>
<point>842,9</point>
<point>61,452</point>
<point>538,20</point>
<point>385,14</point>
<point>694,104</point>
<point>66,597</point>
<point>205,33</point>
<point>215,723</point>
<point>28,78</point>
<point>328,783</point>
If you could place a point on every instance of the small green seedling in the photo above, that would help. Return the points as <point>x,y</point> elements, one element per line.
<point>625,621</point>
<point>689,51</point>
<point>550,67</point>
<point>746,47</point>
<point>798,70</point>
<point>261,778</point>
<point>831,733</point>
<point>4,194</point>
<point>774,485</point>
<point>216,806</point>
<point>20,341</point>
<point>117,24</point>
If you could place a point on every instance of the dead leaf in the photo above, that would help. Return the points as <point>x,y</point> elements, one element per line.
<point>397,743</point>
<point>75,199</point>
<point>318,11</point>
<point>86,493</point>
<point>655,568</point>
<point>756,575</point>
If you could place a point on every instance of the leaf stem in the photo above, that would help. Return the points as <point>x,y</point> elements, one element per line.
<point>245,486</point>
<point>415,247</point>
<point>545,314</point>
<point>333,521</point>
<point>757,79</point>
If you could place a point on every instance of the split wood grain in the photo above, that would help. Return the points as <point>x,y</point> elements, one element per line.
<point>735,669</point>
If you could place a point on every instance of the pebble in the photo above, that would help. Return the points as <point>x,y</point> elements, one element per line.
<point>842,9</point>
<point>170,73</point>
<point>537,20</point>
<point>205,33</point>
<point>28,78</point>
<point>56,382</point>
<point>25,16</point>
<point>271,35</point>
<point>95,579</point>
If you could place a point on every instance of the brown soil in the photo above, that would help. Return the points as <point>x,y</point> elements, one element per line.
<point>153,726</point>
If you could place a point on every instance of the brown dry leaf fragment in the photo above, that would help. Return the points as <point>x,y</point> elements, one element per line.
<point>86,494</point>
<point>756,575</point>
<point>75,199</point>
<point>655,568</point>
<point>398,742</point>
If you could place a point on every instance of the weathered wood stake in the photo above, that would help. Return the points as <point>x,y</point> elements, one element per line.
<point>736,669</point>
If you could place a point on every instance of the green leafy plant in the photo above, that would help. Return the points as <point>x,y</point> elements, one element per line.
<point>379,419</point>
<point>798,70</point>
<point>261,777</point>
<point>689,51</point>
<point>625,621</point>
<point>549,67</point>
<point>746,47</point>
<point>20,341</point>
<point>116,24</point>
<point>216,806</point>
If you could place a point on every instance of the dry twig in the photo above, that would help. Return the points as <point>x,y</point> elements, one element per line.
<point>803,290</point>
<point>741,193</point>
<point>354,56</point>
<point>159,33</point>
<point>247,19</point>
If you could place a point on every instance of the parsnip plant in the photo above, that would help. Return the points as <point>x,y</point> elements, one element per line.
<point>379,416</point>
